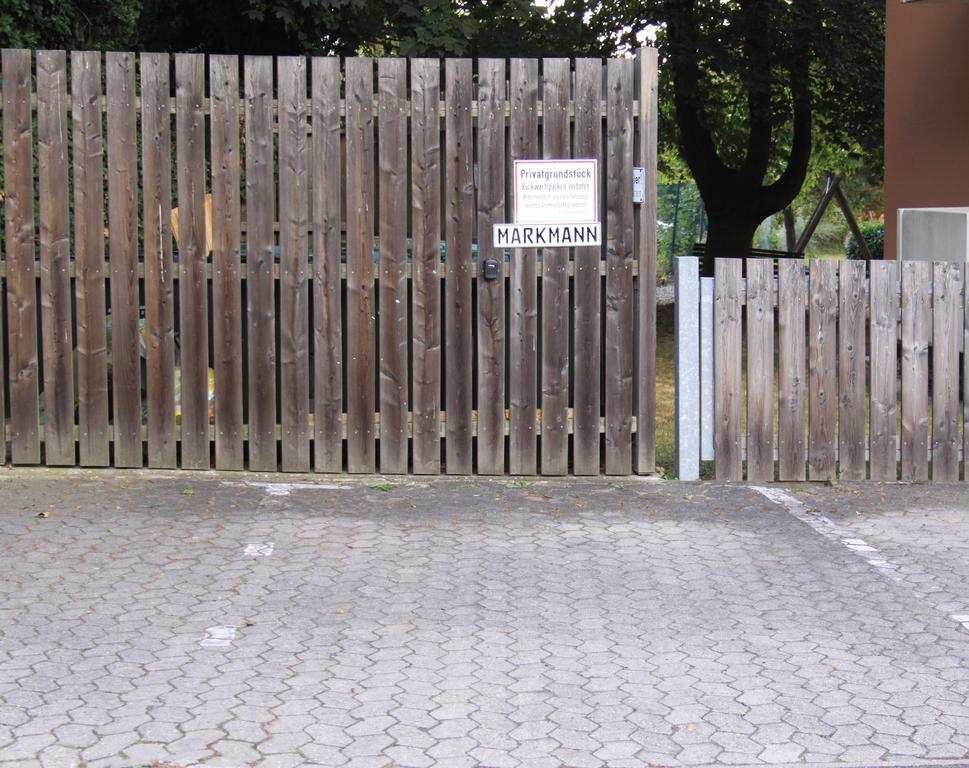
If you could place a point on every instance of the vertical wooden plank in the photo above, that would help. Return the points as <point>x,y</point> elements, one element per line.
<point>646,340</point>
<point>159,284</point>
<point>620,316</point>
<point>916,330</point>
<point>394,375</point>
<point>192,256</point>
<point>947,327</point>
<point>360,303</point>
<point>727,364</point>
<point>92,370</point>
<point>18,186</point>
<point>261,305</point>
<point>823,414</point>
<point>327,320</point>
<point>294,333</point>
<point>426,288</point>
<point>123,254</point>
<point>884,370</point>
<point>760,370</point>
<point>853,413</point>
<point>55,258</point>
<point>791,369</point>
<point>226,250</point>
<point>523,297</point>
<point>587,333</point>
<point>556,86</point>
<point>491,293</point>
<point>459,204</point>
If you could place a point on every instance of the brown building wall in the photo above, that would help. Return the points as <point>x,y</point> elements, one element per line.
<point>926,108</point>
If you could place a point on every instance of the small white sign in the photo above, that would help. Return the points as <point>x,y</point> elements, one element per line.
<point>639,185</point>
<point>556,191</point>
<point>547,235</point>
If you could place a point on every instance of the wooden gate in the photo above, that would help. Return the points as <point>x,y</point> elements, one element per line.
<point>321,307</point>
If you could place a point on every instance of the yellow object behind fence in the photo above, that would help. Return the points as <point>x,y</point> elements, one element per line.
<point>208,224</point>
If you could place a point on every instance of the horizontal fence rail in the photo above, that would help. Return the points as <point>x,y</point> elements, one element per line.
<point>273,263</point>
<point>844,369</point>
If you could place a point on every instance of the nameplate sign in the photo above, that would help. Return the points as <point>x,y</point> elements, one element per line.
<point>547,235</point>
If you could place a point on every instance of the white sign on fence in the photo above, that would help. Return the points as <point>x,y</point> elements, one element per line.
<point>556,191</point>
<point>639,185</point>
<point>556,205</point>
<point>547,235</point>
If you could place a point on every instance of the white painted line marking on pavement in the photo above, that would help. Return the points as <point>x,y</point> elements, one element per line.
<point>284,489</point>
<point>858,545</point>
<point>219,637</point>
<point>827,528</point>
<point>259,550</point>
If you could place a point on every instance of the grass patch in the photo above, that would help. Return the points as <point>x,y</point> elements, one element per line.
<point>665,390</point>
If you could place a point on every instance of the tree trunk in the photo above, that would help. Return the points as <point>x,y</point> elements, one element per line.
<point>728,235</point>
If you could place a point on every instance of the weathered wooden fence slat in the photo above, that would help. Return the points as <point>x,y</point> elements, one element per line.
<point>326,183</point>
<point>18,183</point>
<point>916,330</point>
<point>394,374</point>
<point>227,317</point>
<point>92,345</point>
<point>620,315</point>
<point>523,290</point>
<point>55,261</point>
<point>646,320</point>
<point>294,334</point>
<point>360,299</point>
<point>586,324</point>
<point>853,402</point>
<point>491,293</point>
<point>791,369</point>
<point>822,370</point>
<point>728,394</point>
<point>260,241</point>
<point>760,370</point>
<point>123,252</point>
<point>556,76</point>
<point>426,287</point>
<point>156,171</point>
<point>296,279</point>
<point>883,430</point>
<point>858,316</point>
<point>192,258</point>
<point>459,208</point>
<point>947,319</point>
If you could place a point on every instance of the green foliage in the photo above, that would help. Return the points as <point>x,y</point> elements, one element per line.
<point>77,24</point>
<point>844,45</point>
<point>873,233</point>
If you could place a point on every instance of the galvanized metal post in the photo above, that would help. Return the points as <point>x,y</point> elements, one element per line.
<point>687,339</point>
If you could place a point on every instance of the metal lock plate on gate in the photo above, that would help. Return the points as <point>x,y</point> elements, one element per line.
<point>491,268</point>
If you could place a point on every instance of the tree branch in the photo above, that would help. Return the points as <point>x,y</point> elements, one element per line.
<point>756,27</point>
<point>711,174</point>
<point>777,196</point>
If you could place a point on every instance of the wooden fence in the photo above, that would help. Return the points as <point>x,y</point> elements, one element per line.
<point>844,369</point>
<point>322,309</point>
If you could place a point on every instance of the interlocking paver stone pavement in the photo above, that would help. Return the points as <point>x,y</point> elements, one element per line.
<point>234,620</point>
